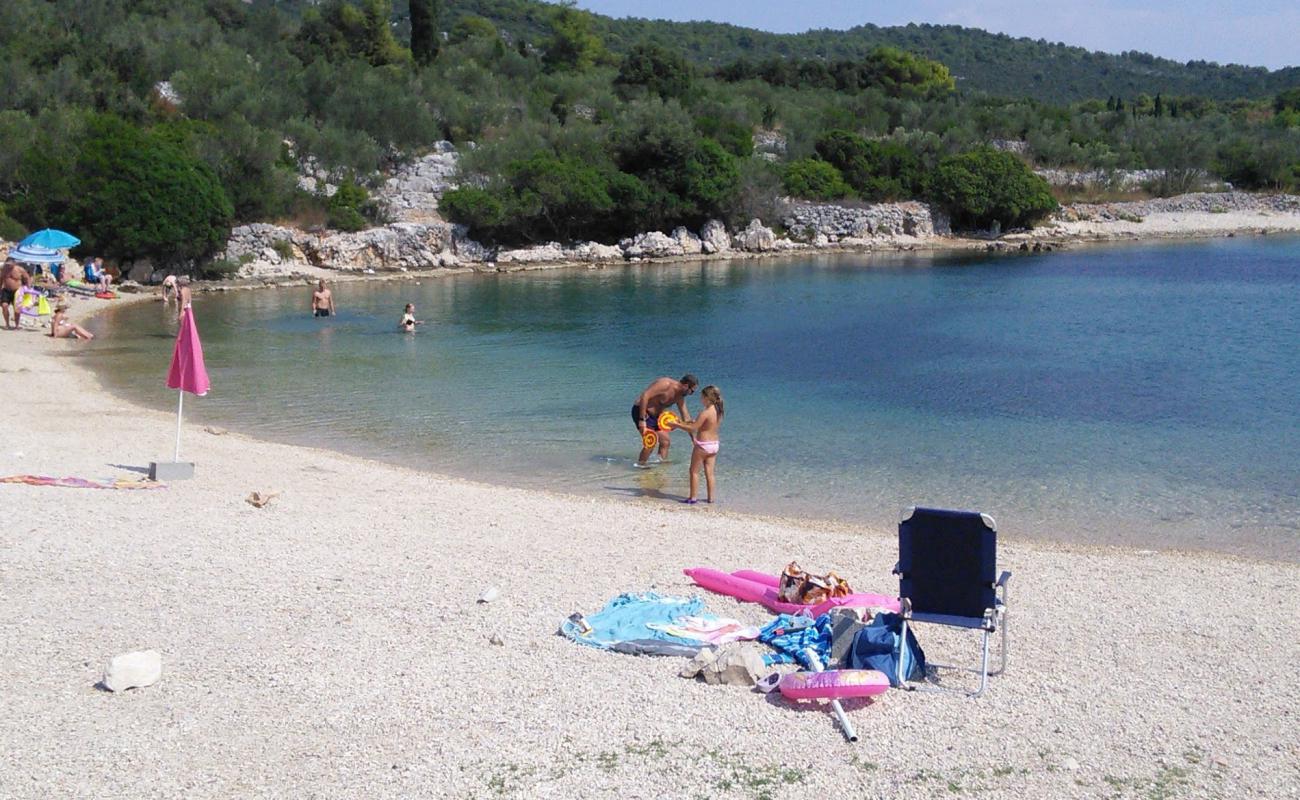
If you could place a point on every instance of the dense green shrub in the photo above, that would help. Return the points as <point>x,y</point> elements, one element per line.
<point>986,186</point>
<point>350,207</point>
<point>11,230</point>
<point>735,137</point>
<point>341,30</point>
<point>656,69</point>
<point>815,179</point>
<point>139,195</point>
<point>218,269</point>
<point>877,170</point>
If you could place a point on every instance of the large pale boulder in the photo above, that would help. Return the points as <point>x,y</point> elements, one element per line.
<point>714,238</point>
<point>653,244</point>
<point>594,251</point>
<point>687,242</point>
<point>538,254</point>
<point>755,238</point>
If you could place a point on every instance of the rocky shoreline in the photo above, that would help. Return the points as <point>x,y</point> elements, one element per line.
<point>270,252</point>
<point>419,241</point>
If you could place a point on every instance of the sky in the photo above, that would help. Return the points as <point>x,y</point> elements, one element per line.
<point>1253,32</point>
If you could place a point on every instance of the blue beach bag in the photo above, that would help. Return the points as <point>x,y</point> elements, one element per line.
<point>876,647</point>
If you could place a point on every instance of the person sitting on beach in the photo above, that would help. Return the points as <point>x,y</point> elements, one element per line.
<point>322,301</point>
<point>63,328</point>
<point>95,274</point>
<point>169,288</point>
<point>12,278</point>
<point>661,393</point>
<point>704,434</point>
<point>409,321</point>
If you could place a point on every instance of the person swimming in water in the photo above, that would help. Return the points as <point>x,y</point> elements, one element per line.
<point>409,321</point>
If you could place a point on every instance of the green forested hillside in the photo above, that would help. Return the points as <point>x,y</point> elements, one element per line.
<point>980,61</point>
<point>152,126</point>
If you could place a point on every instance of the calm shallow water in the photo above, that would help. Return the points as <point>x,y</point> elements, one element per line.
<point>1140,395</point>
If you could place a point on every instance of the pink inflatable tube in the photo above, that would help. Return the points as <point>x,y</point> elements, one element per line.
<point>833,685</point>
<point>757,587</point>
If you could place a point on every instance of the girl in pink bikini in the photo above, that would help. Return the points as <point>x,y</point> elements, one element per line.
<point>704,433</point>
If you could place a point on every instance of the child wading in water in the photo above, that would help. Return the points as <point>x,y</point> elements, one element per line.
<point>704,433</point>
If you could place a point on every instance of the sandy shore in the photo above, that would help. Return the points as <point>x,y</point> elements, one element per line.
<point>329,644</point>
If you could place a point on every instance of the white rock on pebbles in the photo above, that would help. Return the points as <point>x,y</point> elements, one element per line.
<point>132,670</point>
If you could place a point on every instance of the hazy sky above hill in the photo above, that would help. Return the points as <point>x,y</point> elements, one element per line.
<point>1253,32</point>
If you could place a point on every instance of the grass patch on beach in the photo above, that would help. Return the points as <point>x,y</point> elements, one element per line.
<point>732,772</point>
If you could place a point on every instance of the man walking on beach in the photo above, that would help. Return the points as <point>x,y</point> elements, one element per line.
<point>322,301</point>
<point>659,395</point>
<point>12,278</point>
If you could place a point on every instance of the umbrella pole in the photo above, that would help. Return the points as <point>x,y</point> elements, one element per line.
<point>180,402</point>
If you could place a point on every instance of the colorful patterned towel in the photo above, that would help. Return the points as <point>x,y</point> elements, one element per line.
<point>84,483</point>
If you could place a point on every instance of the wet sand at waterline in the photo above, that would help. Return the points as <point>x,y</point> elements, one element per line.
<point>330,644</point>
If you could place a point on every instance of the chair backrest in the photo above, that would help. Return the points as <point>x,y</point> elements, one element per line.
<point>947,561</point>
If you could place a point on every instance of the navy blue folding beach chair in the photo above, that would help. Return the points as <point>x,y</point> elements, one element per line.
<point>947,561</point>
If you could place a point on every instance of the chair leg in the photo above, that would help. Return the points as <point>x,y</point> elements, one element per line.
<point>898,667</point>
<point>984,666</point>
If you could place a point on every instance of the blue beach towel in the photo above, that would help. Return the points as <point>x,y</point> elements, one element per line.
<point>624,624</point>
<point>791,634</point>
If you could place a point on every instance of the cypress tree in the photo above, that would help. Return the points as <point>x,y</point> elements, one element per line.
<point>1160,107</point>
<point>424,30</point>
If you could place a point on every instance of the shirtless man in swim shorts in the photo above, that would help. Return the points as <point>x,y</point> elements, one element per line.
<point>12,278</point>
<point>659,395</point>
<point>322,301</point>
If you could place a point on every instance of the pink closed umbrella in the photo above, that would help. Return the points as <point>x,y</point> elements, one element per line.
<point>187,373</point>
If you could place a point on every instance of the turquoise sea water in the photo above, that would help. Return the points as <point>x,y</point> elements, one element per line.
<point>1144,395</point>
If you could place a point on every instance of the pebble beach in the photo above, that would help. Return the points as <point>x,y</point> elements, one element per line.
<point>329,644</point>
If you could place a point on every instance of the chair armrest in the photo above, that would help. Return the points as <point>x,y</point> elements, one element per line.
<point>1003,578</point>
<point>895,570</point>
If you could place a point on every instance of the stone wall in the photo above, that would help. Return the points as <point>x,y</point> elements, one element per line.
<point>828,223</point>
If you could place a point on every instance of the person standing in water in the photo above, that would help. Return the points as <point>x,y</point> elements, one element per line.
<point>659,395</point>
<point>704,434</point>
<point>183,296</point>
<point>409,321</point>
<point>322,301</point>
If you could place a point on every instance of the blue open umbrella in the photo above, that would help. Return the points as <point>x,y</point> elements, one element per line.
<point>35,254</point>
<point>52,239</point>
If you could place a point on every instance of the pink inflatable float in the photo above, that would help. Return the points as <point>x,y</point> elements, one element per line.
<point>833,684</point>
<point>757,587</point>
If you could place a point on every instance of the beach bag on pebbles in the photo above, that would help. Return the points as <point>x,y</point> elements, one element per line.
<point>803,588</point>
<point>876,647</point>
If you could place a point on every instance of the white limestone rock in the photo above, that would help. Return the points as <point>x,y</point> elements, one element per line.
<point>540,254</point>
<point>653,244</point>
<point>756,238</point>
<point>687,242</point>
<point>594,252</point>
<point>714,238</point>
<point>133,670</point>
